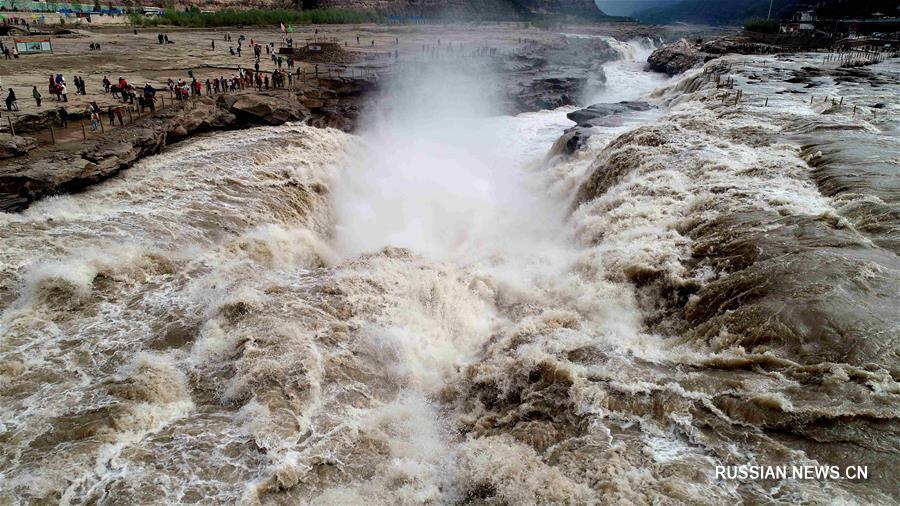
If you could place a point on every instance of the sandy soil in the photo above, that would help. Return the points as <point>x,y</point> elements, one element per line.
<point>140,58</point>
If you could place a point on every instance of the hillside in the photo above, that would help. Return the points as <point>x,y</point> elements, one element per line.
<point>734,12</point>
<point>508,9</point>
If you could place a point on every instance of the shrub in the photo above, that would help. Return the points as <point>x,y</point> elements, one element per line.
<point>195,18</point>
<point>761,25</point>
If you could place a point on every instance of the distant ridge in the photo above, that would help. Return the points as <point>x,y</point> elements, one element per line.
<point>504,9</point>
<point>735,12</point>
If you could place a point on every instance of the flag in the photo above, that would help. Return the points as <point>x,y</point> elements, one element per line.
<point>283,29</point>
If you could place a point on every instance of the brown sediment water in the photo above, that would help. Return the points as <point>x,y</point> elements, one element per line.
<point>436,311</point>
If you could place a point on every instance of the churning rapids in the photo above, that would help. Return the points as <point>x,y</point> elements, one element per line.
<point>452,308</point>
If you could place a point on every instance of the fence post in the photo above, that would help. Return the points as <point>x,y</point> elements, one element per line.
<point>12,129</point>
<point>52,135</point>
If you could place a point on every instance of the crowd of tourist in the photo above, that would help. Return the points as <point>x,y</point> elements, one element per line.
<point>124,92</point>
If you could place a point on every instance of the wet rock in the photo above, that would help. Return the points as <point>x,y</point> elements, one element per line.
<point>16,145</point>
<point>572,141</point>
<point>599,114</point>
<point>675,58</point>
<point>552,74</point>
<point>549,93</point>
<point>270,109</point>
<point>71,167</point>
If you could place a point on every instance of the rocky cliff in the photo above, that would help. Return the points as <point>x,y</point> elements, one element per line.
<point>503,8</point>
<point>573,7</point>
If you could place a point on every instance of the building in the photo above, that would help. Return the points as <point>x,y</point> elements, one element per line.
<point>801,21</point>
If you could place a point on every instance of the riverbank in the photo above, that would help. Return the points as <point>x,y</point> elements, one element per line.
<point>537,69</point>
<point>72,164</point>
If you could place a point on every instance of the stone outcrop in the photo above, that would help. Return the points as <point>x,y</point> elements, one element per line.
<point>70,167</point>
<point>29,172</point>
<point>602,114</point>
<point>264,108</point>
<point>675,58</point>
<point>553,74</point>
<point>16,145</point>
<point>680,56</point>
<point>575,138</point>
<point>549,93</point>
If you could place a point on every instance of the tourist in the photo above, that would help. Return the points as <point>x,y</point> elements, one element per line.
<point>213,44</point>
<point>11,101</point>
<point>208,87</point>
<point>106,84</point>
<point>95,120</point>
<point>159,37</point>
<point>149,99</point>
<point>37,95</point>
<point>63,117</point>
<point>53,89</point>
<point>15,53</point>
<point>63,92</point>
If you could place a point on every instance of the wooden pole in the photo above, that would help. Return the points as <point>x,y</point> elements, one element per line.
<point>52,135</point>
<point>83,131</point>
<point>767,102</point>
<point>12,129</point>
